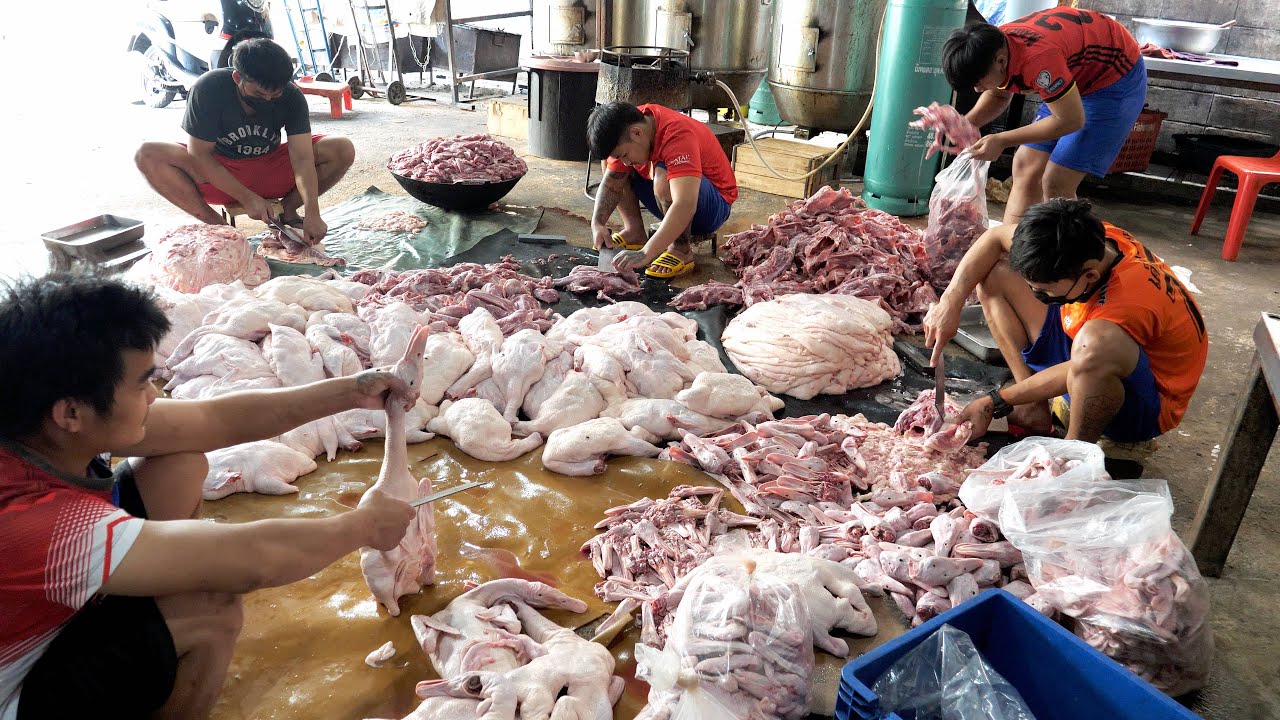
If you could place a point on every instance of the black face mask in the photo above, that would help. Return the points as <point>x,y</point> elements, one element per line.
<point>1048,299</point>
<point>256,104</point>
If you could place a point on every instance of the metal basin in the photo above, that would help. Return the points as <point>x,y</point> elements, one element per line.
<point>464,197</point>
<point>1179,35</point>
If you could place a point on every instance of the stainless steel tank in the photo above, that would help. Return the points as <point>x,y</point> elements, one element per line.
<point>563,27</point>
<point>823,66</point>
<point>727,37</point>
<point>629,22</point>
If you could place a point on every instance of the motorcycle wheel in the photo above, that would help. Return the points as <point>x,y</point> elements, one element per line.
<point>154,92</point>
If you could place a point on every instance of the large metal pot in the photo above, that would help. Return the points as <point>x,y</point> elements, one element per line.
<point>1192,37</point>
<point>823,65</point>
<point>640,74</point>
<point>727,37</point>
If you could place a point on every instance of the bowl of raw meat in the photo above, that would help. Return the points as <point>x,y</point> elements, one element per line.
<point>464,173</point>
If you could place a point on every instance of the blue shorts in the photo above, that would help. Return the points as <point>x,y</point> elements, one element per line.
<point>1139,417</point>
<point>710,214</point>
<point>1109,115</point>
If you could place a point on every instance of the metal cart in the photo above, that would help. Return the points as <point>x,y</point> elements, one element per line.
<point>305,22</point>
<point>390,82</point>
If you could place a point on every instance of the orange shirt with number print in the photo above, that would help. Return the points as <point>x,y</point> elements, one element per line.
<point>1145,298</point>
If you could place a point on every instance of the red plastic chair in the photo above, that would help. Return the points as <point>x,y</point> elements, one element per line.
<point>1253,173</point>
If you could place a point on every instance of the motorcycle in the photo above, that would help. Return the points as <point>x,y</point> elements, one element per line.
<point>177,41</point>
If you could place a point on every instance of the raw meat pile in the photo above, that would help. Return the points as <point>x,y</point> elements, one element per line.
<point>738,647</point>
<point>806,345</point>
<point>458,159</point>
<point>1105,553</point>
<point>277,246</point>
<point>957,217</point>
<point>395,221</point>
<point>608,286</point>
<point>190,257</point>
<point>499,658</point>
<point>446,295</point>
<point>799,479</point>
<point>947,124</point>
<point>828,243</point>
<point>916,424</point>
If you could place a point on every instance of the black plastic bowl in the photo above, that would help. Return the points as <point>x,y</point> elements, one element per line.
<point>462,197</point>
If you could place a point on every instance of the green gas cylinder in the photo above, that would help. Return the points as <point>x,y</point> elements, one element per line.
<point>898,178</point>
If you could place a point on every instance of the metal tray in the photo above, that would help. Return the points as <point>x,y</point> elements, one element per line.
<point>93,237</point>
<point>974,336</point>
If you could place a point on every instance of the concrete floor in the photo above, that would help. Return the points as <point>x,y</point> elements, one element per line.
<point>71,169</point>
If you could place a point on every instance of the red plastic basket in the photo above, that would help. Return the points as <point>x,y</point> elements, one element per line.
<point>1135,156</point>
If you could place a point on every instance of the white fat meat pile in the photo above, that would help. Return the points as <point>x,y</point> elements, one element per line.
<point>191,257</point>
<point>461,158</point>
<point>807,345</point>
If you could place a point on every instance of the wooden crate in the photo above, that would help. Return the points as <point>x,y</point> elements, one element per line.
<point>789,158</point>
<point>509,117</point>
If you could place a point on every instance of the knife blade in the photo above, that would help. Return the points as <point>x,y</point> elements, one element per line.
<point>939,394</point>
<point>287,234</point>
<point>605,263</point>
<point>446,493</point>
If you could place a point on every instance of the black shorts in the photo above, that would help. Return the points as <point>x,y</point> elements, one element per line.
<point>115,658</point>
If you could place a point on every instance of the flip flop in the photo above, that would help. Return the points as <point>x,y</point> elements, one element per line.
<point>618,241</point>
<point>669,266</point>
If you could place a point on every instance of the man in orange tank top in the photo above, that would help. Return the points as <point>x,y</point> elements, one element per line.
<point>1082,311</point>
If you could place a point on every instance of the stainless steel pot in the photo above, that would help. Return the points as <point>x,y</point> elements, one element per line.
<point>1178,35</point>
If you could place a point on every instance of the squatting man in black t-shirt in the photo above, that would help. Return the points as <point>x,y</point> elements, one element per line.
<point>234,154</point>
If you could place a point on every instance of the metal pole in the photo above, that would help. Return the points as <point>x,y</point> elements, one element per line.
<point>448,46</point>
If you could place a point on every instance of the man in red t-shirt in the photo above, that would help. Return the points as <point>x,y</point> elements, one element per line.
<point>1086,68</point>
<point>133,610</point>
<point>671,164</point>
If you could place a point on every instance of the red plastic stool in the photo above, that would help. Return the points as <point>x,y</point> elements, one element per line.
<point>1253,173</point>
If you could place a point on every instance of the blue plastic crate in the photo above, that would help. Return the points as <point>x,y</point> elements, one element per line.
<point>1059,676</point>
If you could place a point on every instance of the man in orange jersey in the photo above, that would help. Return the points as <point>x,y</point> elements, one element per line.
<point>1084,312</point>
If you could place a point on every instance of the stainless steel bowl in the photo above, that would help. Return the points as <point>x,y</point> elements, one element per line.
<point>1178,35</point>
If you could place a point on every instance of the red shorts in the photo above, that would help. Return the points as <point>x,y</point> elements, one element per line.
<point>270,175</point>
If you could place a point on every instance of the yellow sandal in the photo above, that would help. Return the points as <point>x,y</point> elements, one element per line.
<point>619,242</point>
<point>669,266</point>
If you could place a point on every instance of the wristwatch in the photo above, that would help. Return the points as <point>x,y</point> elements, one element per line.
<point>999,408</point>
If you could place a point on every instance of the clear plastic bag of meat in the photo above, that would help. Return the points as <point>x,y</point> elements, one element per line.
<point>1030,463</point>
<point>1105,553</point>
<point>946,678</point>
<point>740,647</point>
<point>957,216</point>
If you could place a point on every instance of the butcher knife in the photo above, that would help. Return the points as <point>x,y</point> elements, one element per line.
<point>605,263</point>
<point>939,395</point>
<point>446,493</point>
<point>287,234</point>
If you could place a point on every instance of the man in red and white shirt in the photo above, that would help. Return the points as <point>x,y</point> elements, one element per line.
<point>671,164</point>
<point>133,610</point>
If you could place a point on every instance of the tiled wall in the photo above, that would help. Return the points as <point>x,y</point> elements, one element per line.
<point>1195,108</point>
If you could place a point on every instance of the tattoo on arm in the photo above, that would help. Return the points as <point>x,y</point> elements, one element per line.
<point>607,197</point>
